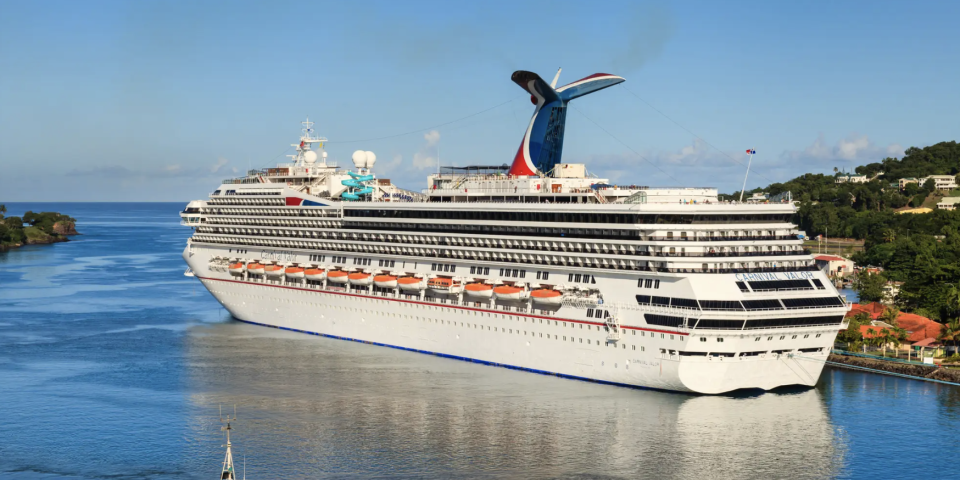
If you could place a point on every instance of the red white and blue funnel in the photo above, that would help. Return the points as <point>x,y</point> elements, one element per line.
<point>542,143</point>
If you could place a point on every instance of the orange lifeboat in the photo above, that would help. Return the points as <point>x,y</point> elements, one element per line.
<point>360,278</point>
<point>294,272</point>
<point>337,276</point>
<point>478,290</point>
<point>546,296</point>
<point>237,268</point>
<point>273,270</point>
<point>508,292</point>
<point>315,274</point>
<point>410,283</point>
<point>385,281</point>
<point>255,269</point>
<point>444,286</point>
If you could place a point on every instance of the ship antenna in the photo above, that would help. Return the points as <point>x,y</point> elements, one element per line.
<point>751,152</point>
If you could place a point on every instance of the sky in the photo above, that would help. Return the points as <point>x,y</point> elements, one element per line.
<point>161,100</point>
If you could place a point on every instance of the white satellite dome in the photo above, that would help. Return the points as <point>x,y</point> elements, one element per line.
<point>371,159</point>
<point>359,158</point>
<point>309,157</point>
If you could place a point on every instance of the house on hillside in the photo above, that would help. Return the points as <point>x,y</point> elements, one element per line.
<point>941,182</point>
<point>904,181</point>
<point>833,265</point>
<point>852,179</point>
<point>948,203</point>
<point>890,291</point>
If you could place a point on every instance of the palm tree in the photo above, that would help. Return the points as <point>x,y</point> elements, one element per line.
<point>889,235</point>
<point>3,209</point>
<point>950,333</point>
<point>890,316</point>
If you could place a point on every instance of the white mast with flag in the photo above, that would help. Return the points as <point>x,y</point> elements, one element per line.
<point>750,152</point>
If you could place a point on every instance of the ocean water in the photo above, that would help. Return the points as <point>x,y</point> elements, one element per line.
<point>113,365</point>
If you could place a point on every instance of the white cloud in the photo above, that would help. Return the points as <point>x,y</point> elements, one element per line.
<point>850,151</point>
<point>220,163</point>
<point>427,156</point>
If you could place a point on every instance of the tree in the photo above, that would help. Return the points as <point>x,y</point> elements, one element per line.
<point>869,286</point>
<point>890,316</point>
<point>950,333</point>
<point>889,235</point>
<point>852,335</point>
<point>911,189</point>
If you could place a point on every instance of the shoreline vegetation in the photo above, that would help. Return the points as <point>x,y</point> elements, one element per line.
<point>34,228</point>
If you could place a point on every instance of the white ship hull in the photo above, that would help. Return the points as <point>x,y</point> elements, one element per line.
<point>548,344</point>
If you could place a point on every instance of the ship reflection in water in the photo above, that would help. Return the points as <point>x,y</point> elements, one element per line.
<point>317,407</point>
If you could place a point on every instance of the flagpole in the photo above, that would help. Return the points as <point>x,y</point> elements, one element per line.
<point>751,151</point>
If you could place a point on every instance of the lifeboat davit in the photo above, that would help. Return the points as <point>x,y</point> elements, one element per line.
<point>478,290</point>
<point>273,270</point>
<point>444,286</point>
<point>507,292</point>
<point>385,281</point>
<point>294,272</point>
<point>255,269</point>
<point>315,274</point>
<point>546,296</point>
<point>237,268</point>
<point>360,278</point>
<point>410,283</point>
<point>337,276</point>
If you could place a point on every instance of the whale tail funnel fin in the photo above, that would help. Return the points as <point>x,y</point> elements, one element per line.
<point>542,144</point>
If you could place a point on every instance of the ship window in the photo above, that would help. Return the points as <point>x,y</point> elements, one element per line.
<point>742,286</point>
<point>762,304</point>
<point>656,284</point>
<point>703,339</point>
<point>576,278</point>
<point>643,299</point>
<point>812,302</point>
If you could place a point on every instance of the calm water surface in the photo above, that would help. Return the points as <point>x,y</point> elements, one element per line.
<point>113,364</point>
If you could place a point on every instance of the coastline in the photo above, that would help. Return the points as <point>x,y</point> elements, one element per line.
<point>61,232</point>
<point>931,372</point>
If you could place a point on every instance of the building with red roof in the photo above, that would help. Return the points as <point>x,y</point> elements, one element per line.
<point>833,265</point>
<point>918,328</point>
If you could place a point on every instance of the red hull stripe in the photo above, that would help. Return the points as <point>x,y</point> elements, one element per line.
<point>441,305</point>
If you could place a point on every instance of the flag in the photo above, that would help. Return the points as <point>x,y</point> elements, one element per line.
<point>751,151</point>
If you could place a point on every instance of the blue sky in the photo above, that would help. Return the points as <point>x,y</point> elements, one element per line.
<point>155,101</point>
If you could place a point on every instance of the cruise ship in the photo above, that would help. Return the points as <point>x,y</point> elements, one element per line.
<point>538,265</point>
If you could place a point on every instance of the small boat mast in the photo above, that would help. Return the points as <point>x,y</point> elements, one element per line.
<point>228,472</point>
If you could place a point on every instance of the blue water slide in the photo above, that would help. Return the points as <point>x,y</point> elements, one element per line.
<point>351,183</point>
<point>364,191</point>
<point>349,196</point>
<point>362,178</point>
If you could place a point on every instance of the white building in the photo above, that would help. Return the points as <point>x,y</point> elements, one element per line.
<point>852,179</point>
<point>948,203</point>
<point>941,182</point>
<point>833,265</point>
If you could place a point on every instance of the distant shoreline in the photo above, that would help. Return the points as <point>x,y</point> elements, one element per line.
<point>32,228</point>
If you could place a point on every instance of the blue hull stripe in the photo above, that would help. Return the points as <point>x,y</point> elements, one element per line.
<point>467,359</point>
